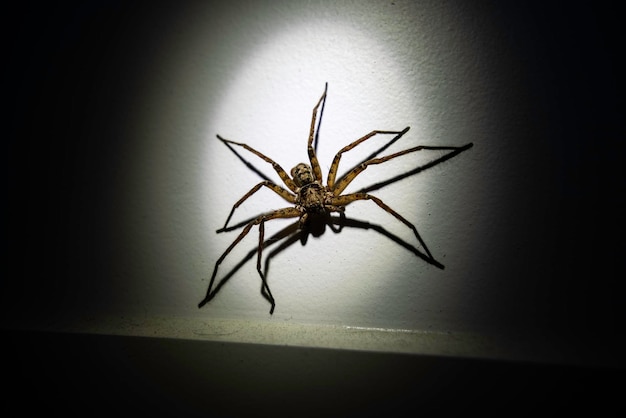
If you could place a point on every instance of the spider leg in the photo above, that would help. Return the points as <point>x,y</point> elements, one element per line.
<point>430,164</point>
<point>281,172</point>
<point>332,172</point>
<point>290,212</point>
<point>315,165</point>
<point>289,235</point>
<point>319,122</point>
<point>248,164</point>
<point>270,185</point>
<point>353,197</point>
<point>274,239</point>
<point>265,289</point>
<point>351,175</point>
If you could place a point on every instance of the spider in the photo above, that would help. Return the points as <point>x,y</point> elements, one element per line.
<point>310,199</point>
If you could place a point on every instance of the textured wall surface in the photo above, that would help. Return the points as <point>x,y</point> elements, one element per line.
<point>117,181</point>
<point>387,68</point>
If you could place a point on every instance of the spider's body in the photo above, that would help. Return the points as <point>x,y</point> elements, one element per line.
<point>311,200</point>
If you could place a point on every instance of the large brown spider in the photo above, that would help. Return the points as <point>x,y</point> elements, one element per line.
<point>311,199</point>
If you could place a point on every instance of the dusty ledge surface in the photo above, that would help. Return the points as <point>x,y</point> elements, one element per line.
<point>337,337</point>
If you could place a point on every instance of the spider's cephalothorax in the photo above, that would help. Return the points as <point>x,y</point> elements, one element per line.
<point>311,196</point>
<point>302,174</point>
<point>311,199</point>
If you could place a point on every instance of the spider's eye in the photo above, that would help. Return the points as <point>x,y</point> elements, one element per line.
<point>302,174</point>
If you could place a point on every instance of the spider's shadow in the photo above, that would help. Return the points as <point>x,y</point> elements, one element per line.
<point>316,226</point>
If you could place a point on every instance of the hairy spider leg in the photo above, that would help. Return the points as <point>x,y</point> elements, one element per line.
<point>290,212</point>
<point>315,165</point>
<point>345,200</point>
<point>281,172</point>
<point>455,151</point>
<point>332,172</point>
<point>291,198</point>
<point>270,185</point>
<point>319,122</point>
<point>351,175</point>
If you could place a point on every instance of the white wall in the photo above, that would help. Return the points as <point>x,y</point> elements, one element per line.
<point>142,241</point>
<point>254,77</point>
